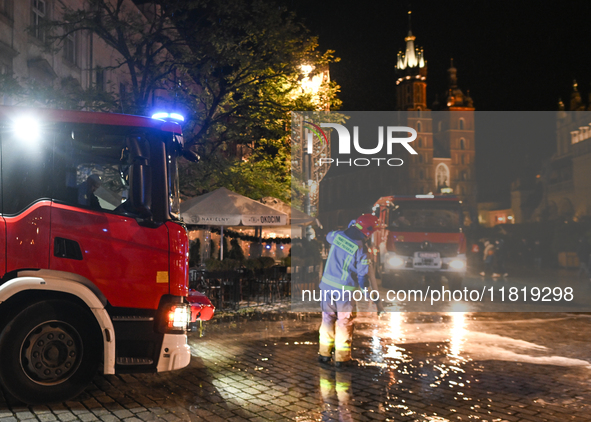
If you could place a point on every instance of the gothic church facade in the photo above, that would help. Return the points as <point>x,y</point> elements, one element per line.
<point>445,144</point>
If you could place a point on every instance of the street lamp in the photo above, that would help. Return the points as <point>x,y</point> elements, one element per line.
<point>308,163</point>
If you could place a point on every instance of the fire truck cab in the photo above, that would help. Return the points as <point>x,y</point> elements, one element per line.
<point>93,254</point>
<point>419,237</point>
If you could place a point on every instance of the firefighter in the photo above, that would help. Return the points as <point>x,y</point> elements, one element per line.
<point>346,269</point>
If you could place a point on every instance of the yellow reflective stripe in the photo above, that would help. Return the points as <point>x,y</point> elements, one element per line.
<point>345,272</point>
<point>341,386</point>
<point>324,383</point>
<point>324,338</point>
<point>331,283</point>
<point>345,244</point>
<point>343,348</point>
<point>365,262</point>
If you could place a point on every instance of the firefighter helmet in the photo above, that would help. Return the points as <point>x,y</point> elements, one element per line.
<point>366,223</point>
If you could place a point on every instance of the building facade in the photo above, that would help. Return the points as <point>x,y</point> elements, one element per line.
<point>83,59</point>
<point>562,189</point>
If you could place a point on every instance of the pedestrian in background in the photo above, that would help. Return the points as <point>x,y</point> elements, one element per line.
<point>346,270</point>
<point>488,256</point>
<point>500,259</point>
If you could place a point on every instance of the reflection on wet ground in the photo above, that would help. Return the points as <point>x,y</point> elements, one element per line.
<point>432,367</point>
<point>413,367</point>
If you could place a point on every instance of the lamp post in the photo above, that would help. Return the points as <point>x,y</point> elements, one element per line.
<point>307,163</point>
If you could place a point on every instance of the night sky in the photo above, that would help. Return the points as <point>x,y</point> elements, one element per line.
<point>512,56</point>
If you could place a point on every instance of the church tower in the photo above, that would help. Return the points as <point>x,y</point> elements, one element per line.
<point>454,142</point>
<point>411,68</point>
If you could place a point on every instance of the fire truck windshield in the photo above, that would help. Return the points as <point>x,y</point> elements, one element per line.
<point>91,166</point>
<point>425,216</point>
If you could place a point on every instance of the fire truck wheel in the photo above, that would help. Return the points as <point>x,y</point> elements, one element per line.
<point>49,352</point>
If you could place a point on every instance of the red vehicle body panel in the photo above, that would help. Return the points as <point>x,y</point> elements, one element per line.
<point>400,236</point>
<point>179,262</point>
<point>201,307</point>
<point>127,262</point>
<point>133,265</point>
<point>28,238</point>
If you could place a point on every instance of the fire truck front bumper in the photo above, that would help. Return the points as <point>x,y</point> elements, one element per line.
<point>175,353</point>
<point>393,263</point>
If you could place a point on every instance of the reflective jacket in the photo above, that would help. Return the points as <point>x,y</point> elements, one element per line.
<point>347,265</point>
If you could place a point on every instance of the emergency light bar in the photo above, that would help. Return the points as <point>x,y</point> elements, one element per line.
<point>172,116</point>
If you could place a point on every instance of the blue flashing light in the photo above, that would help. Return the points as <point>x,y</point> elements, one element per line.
<point>177,116</point>
<point>172,116</point>
<point>268,246</point>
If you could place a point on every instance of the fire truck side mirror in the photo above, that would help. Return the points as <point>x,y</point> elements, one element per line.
<point>140,187</point>
<point>190,156</point>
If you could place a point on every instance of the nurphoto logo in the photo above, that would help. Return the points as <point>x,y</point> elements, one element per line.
<point>385,136</point>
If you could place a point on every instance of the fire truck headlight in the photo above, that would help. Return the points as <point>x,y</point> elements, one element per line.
<point>457,264</point>
<point>27,129</point>
<point>395,261</point>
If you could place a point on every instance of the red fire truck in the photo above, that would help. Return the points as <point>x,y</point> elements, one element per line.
<point>419,237</point>
<point>93,254</point>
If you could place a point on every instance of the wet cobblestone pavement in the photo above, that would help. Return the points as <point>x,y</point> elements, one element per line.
<point>413,367</point>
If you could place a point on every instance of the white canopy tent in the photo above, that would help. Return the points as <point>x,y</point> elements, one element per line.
<point>222,207</point>
<point>297,219</point>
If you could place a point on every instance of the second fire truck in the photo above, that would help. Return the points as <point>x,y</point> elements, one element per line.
<point>420,237</point>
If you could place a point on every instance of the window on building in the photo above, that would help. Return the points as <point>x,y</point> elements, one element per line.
<point>420,142</point>
<point>421,174</point>
<point>419,127</point>
<point>462,124</point>
<point>70,47</point>
<point>442,175</point>
<point>38,16</point>
<point>6,8</point>
<point>462,143</point>
<point>462,159</point>
<point>420,158</point>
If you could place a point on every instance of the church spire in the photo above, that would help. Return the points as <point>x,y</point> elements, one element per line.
<point>452,74</point>
<point>411,69</point>
<point>412,56</point>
